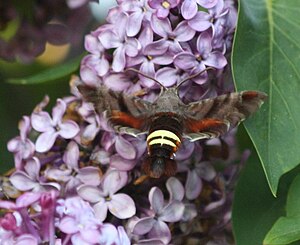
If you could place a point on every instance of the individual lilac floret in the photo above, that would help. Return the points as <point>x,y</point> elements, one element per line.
<point>204,56</point>
<point>30,180</point>
<point>123,47</point>
<point>120,205</point>
<point>163,7</point>
<point>53,127</point>
<point>155,226</point>
<point>21,146</point>
<point>79,221</point>
<point>202,20</point>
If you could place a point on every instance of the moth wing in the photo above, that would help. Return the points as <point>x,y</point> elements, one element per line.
<point>211,118</point>
<point>127,114</point>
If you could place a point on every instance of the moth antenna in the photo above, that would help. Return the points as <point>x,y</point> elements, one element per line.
<point>193,76</point>
<point>144,75</point>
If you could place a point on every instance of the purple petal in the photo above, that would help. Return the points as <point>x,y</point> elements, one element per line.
<point>155,4</point>
<point>184,32</point>
<point>101,209</point>
<point>147,68</point>
<point>158,47</point>
<point>161,231</point>
<point>89,76</point>
<point>175,188</point>
<point>162,13</point>
<point>68,225</point>
<point>204,43</point>
<point>92,45</point>
<point>7,205</point>
<point>27,199</point>
<point>125,149</point>
<point>92,236</point>
<point>89,175</point>
<point>165,59</point>
<point>109,235</point>
<point>117,82</point>
<point>22,181</point>
<point>185,151</point>
<point>208,3</point>
<point>161,27</point>
<point>103,66</point>
<point>41,121</point>
<point>143,226</point>
<point>119,59</point>
<point>113,181</point>
<point>167,76</point>
<point>206,171</point>
<point>122,206</point>
<point>118,162</point>
<point>58,111</point>
<point>134,23</point>
<point>26,239</point>
<point>109,39</point>
<point>45,141</point>
<point>185,61</point>
<point>156,199</point>
<point>24,127</point>
<point>90,193</point>
<point>215,59</point>
<point>32,167</point>
<point>62,175</point>
<point>189,9</point>
<point>193,185</point>
<point>132,47</point>
<point>123,237</point>
<point>71,155</point>
<point>200,22</point>
<point>146,36</point>
<point>172,212</point>
<point>68,129</point>
<point>216,7</point>
<point>14,145</point>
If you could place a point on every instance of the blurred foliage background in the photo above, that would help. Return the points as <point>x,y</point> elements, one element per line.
<point>23,85</point>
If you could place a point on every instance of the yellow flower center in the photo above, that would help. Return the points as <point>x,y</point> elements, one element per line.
<point>165,4</point>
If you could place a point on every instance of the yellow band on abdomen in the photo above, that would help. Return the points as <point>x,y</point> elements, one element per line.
<point>163,133</point>
<point>162,141</point>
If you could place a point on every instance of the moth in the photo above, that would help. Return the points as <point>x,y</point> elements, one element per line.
<point>167,121</point>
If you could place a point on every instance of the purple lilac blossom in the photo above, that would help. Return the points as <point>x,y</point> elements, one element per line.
<point>78,177</point>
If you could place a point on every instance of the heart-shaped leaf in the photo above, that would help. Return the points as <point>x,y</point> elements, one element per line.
<point>266,58</point>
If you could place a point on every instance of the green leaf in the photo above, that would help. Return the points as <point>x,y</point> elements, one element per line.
<point>51,74</point>
<point>254,208</point>
<point>266,58</point>
<point>285,231</point>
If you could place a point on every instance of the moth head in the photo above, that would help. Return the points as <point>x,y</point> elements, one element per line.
<point>155,167</point>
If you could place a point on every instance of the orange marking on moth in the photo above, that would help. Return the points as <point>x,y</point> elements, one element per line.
<point>248,95</point>
<point>125,119</point>
<point>204,125</point>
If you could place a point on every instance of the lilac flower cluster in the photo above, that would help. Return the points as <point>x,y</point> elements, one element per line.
<point>34,23</point>
<point>78,177</point>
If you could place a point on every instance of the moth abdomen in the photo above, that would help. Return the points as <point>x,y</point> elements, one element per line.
<point>163,141</point>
